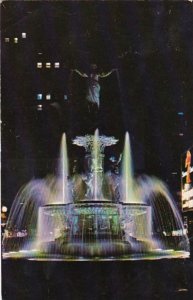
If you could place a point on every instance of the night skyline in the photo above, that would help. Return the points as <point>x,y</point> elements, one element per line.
<point>150,96</point>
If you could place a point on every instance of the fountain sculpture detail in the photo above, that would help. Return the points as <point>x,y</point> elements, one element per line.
<point>95,215</point>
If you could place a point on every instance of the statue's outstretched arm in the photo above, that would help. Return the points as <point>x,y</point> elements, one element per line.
<point>103,75</point>
<point>80,73</point>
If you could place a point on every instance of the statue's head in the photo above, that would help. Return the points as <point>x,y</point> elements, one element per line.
<point>93,67</point>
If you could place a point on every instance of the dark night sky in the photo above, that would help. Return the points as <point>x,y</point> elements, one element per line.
<point>151,44</point>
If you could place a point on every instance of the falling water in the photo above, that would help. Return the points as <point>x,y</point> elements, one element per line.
<point>154,192</point>
<point>63,171</point>
<point>165,214</point>
<point>24,213</point>
<point>128,195</point>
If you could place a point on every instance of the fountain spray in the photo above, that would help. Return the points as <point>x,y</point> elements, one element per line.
<point>128,195</point>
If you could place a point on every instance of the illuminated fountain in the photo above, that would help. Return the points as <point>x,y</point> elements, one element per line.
<point>94,215</point>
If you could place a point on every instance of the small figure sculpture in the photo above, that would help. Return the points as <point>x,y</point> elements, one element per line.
<point>93,87</point>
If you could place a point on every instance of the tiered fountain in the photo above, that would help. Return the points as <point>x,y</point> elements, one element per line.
<point>95,215</point>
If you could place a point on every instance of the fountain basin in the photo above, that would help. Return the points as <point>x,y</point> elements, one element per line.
<point>94,228</point>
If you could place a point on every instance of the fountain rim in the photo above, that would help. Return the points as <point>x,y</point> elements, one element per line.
<point>91,202</point>
<point>133,204</point>
<point>96,202</point>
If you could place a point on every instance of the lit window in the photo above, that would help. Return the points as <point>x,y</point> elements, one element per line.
<point>48,97</point>
<point>39,107</point>
<point>180,113</point>
<point>65,97</point>
<point>7,40</point>
<point>15,40</point>
<point>181,134</point>
<point>23,35</point>
<point>57,65</point>
<point>39,65</point>
<point>48,65</point>
<point>39,96</point>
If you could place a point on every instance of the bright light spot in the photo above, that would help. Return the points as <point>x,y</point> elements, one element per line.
<point>7,40</point>
<point>39,107</point>
<point>182,290</point>
<point>65,97</point>
<point>180,113</point>
<point>4,209</point>
<point>177,232</point>
<point>48,65</point>
<point>39,65</point>
<point>23,35</point>
<point>57,65</point>
<point>48,97</point>
<point>15,40</point>
<point>181,134</point>
<point>39,96</point>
